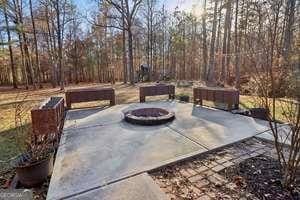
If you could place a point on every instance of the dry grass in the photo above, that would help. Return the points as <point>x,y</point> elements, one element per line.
<point>282,105</point>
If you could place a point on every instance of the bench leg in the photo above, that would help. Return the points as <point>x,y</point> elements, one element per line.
<point>113,101</point>
<point>230,107</point>
<point>68,100</point>
<point>171,96</point>
<point>68,104</point>
<point>197,98</point>
<point>200,102</point>
<point>236,106</point>
<point>142,99</point>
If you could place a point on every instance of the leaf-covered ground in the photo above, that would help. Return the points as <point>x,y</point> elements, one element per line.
<point>246,170</point>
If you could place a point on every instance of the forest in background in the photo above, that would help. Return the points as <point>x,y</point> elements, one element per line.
<point>226,42</point>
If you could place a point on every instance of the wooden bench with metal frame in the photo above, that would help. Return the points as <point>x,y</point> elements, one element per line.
<point>154,90</point>
<point>229,96</point>
<point>90,94</point>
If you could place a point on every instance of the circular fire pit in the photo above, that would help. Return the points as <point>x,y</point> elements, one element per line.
<point>149,116</point>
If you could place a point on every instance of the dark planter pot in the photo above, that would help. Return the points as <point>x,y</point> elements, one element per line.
<point>36,173</point>
<point>259,113</point>
<point>184,98</point>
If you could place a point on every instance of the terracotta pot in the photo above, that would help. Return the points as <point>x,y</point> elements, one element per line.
<point>36,173</point>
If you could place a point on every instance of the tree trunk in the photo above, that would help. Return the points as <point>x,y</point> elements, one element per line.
<point>28,59</point>
<point>50,49</point>
<point>130,41</point>
<point>130,55</point>
<point>23,62</point>
<point>228,50</point>
<point>211,70</point>
<point>125,73</point>
<point>237,48</point>
<point>204,44</point>
<point>148,32</point>
<point>28,63</point>
<point>219,32</point>
<point>288,34</point>
<point>12,64</point>
<point>150,38</point>
<point>163,44</point>
<point>184,52</point>
<point>36,47</point>
<point>226,40</point>
<point>59,42</point>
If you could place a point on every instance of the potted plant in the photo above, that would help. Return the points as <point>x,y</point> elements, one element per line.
<point>35,162</point>
<point>35,165</point>
<point>184,97</point>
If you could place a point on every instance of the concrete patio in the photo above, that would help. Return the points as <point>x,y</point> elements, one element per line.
<point>102,157</point>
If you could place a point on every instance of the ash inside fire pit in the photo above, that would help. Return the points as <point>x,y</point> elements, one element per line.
<point>149,116</point>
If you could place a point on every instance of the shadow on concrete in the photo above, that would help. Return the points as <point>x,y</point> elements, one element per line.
<point>81,113</point>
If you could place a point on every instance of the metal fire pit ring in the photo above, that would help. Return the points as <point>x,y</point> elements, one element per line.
<point>149,116</point>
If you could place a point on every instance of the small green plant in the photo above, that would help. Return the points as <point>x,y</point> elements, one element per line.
<point>183,97</point>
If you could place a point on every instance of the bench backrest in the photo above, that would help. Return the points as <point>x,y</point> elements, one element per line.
<point>83,95</point>
<point>154,90</point>
<point>220,95</point>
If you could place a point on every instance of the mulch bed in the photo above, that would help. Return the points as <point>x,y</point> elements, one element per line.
<point>261,176</point>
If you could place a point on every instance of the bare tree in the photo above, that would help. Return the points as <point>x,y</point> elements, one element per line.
<point>50,42</point>
<point>150,4</point>
<point>286,136</point>
<point>128,10</point>
<point>23,41</point>
<point>288,33</point>
<point>226,41</point>
<point>204,47</point>
<point>237,47</point>
<point>36,46</point>
<point>125,76</point>
<point>12,63</point>
<point>211,68</point>
<point>60,44</point>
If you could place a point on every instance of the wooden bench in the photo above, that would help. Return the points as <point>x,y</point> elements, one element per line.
<point>90,94</point>
<point>155,90</point>
<point>228,96</point>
